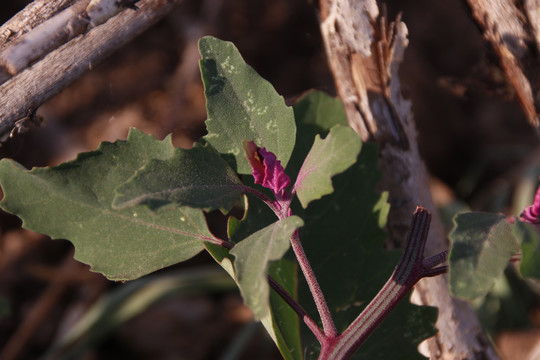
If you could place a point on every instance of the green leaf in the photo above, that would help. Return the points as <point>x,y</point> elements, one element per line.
<point>529,239</point>
<point>319,110</point>
<point>281,322</point>
<point>316,113</point>
<point>482,244</point>
<point>508,304</point>
<point>328,157</point>
<point>197,177</point>
<point>242,105</point>
<point>285,321</point>
<point>73,201</point>
<point>253,256</point>
<point>343,237</point>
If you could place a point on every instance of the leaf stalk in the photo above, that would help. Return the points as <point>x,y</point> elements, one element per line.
<point>411,268</point>
<point>302,314</point>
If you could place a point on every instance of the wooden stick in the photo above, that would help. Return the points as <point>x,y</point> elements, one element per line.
<point>22,94</point>
<point>28,18</point>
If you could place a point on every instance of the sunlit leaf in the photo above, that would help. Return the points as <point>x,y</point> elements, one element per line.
<point>242,105</point>
<point>327,157</point>
<point>197,177</point>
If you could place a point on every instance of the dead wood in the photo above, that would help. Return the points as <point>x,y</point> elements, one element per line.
<point>78,38</point>
<point>364,53</point>
<point>513,30</point>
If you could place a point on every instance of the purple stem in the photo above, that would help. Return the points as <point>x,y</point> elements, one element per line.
<point>435,260</point>
<point>436,271</point>
<point>263,197</point>
<point>281,209</point>
<point>410,269</point>
<point>326,318</point>
<point>297,308</point>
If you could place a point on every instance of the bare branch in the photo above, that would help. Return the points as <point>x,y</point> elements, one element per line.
<point>31,16</point>
<point>21,95</point>
<point>45,37</point>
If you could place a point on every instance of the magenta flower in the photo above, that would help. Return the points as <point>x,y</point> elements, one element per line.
<point>267,170</point>
<point>531,213</point>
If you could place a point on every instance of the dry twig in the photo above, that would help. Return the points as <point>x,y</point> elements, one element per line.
<point>66,55</point>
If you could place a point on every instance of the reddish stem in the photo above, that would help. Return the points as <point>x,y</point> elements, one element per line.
<point>297,308</point>
<point>411,268</point>
<point>322,307</point>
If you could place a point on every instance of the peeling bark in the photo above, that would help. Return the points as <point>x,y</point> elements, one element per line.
<point>366,77</point>
<point>28,18</point>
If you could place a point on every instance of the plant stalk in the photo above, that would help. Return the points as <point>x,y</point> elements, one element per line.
<point>329,327</point>
<point>410,269</point>
<point>312,325</point>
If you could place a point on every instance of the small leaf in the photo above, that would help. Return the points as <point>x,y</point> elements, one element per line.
<point>315,114</point>
<point>242,105</point>
<point>328,157</point>
<point>197,177</point>
<point>320,110</point>
<point>482,244</point>
<point>529,239</point>
<point>282,323</point>
<point>253,256</point>
<point>73,201</point>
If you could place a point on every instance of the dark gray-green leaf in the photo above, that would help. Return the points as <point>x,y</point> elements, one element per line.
<point>197,177</point>
<point>74,201</point>
<point>528,237</point>
<point>482,244</point>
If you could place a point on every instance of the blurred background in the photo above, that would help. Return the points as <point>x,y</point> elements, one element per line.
<point>475,140</point>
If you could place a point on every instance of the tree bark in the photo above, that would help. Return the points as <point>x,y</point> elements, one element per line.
<point>28,18</point>
<point>67,57</point>
<point>364,53</point>
<point>513,30</point>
